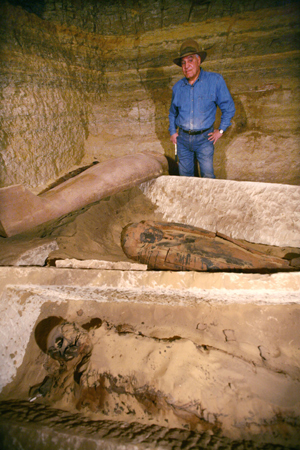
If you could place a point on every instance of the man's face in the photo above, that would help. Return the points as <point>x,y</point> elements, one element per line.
<point>191,67</point>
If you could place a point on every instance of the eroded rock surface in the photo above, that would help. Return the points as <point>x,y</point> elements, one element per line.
<point>86,83</point>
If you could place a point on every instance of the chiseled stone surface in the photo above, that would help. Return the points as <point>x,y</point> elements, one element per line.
<point>42,285</point>
<point>229,320</point>
<point>90,82</point>
<point>85,82</point>
<point>38,255</point>
<point>28,251</point>
<point>257,212</point>
<point>22,210</point>
<point>243,210</point>
<point>280,163</point>
<point>138,16</point>
<point>96,264</point>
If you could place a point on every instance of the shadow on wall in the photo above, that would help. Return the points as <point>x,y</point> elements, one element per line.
<point>159,87</point>
<point>238,127</point>
<point>31,6</point>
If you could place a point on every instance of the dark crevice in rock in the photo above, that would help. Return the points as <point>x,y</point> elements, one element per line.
<point>66,177</point>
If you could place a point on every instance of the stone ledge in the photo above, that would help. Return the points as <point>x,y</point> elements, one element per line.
<point>194,282</point>
<point>97,264</point>
<point>263,213</point>
<point>24,292</point>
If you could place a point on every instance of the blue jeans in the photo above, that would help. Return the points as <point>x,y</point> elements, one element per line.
<point>189,146</point>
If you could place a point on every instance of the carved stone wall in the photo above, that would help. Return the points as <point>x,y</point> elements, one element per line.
<point>92,80</point>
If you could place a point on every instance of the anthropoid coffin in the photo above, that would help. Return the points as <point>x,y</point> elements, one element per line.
<point>175,246</point>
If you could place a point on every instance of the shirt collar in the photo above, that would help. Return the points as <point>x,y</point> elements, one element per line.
<point>198,79</point>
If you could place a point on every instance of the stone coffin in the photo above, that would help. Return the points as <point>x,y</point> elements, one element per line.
<point>220,350</point>
<point>21,210</point>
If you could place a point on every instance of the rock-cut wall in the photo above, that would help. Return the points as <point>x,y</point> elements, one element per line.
<point>85,81</point>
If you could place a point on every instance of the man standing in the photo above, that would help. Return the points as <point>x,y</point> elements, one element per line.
<point>193,111</point>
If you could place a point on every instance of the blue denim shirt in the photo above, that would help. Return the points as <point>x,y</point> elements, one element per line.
<point>194,107</point>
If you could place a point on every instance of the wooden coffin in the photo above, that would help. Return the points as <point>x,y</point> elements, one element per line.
<point>173,246</point>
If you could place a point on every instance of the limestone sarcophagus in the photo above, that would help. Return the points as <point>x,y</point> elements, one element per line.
<point>173,246</point>
<point>21,210</point>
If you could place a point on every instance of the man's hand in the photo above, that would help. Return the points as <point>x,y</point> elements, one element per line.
<point>214,136</point>
<point>174,138</point>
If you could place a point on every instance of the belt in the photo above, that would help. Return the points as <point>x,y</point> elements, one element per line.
<point>192,133</point>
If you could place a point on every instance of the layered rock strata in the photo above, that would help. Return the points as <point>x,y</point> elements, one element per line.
<point>74,89</point>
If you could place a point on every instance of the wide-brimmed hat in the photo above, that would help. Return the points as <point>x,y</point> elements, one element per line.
<point>189,47</point>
